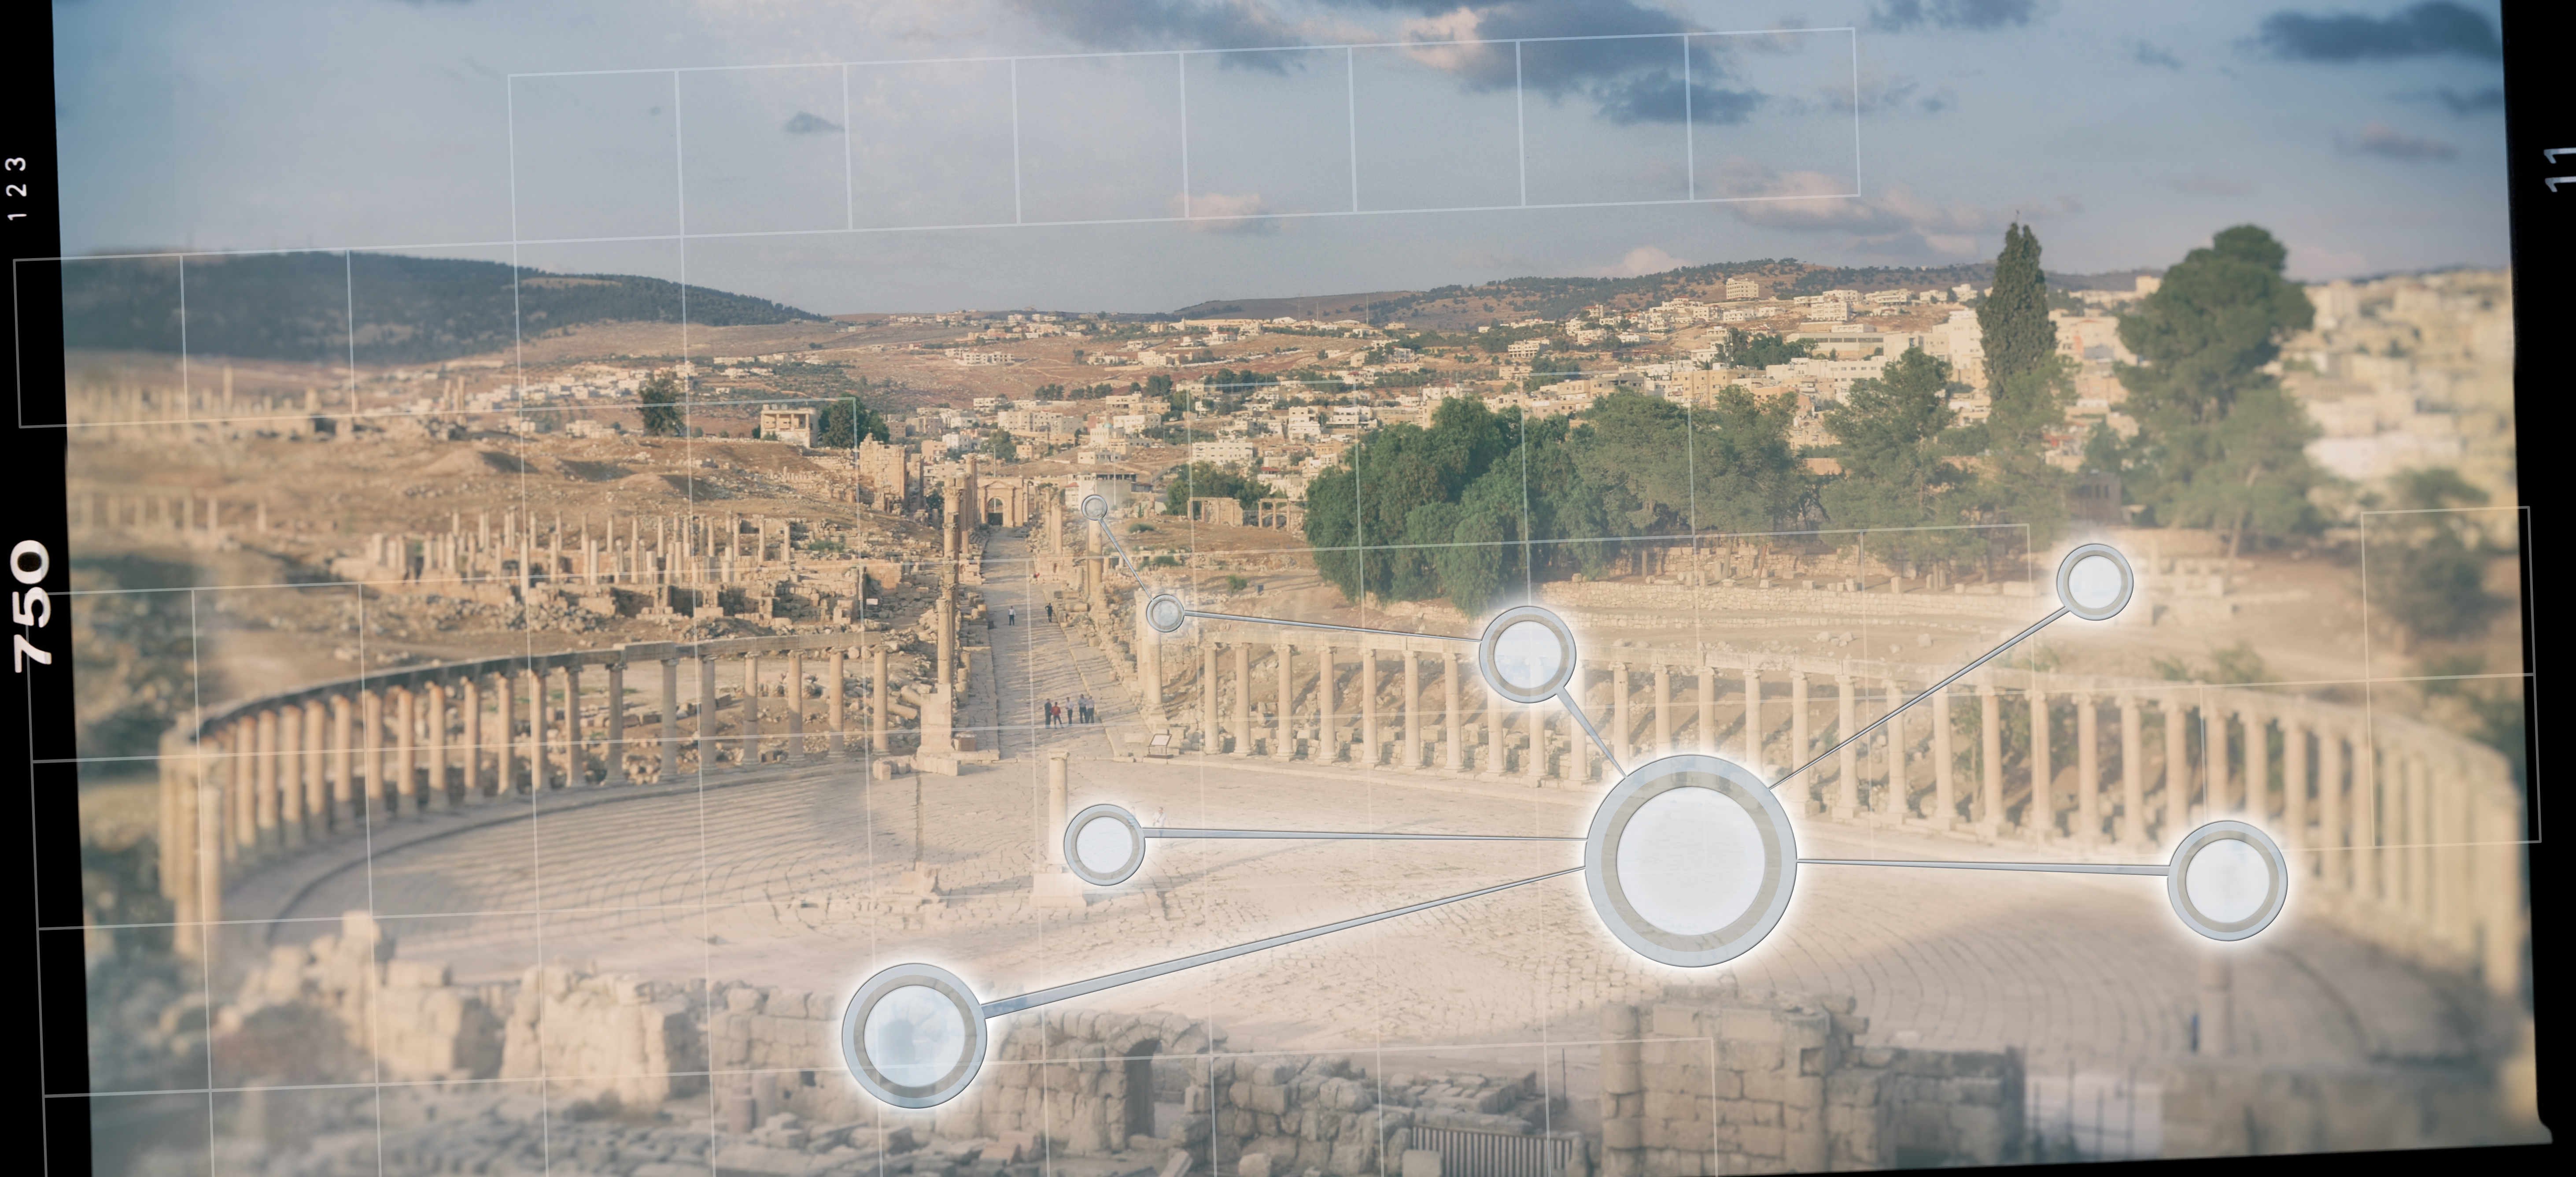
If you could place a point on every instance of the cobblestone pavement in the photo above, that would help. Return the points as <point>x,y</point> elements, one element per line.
<point>789,875</point>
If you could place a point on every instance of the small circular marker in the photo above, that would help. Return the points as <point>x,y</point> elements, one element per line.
<point>2095,582</point>
<point>1103,845</point>
<point>1690,861</point>
<point>1165,614</point>
<point>1095,507</point>
<point>1526,654</point>
<point>2228,880</point>
<point>913,1036</point>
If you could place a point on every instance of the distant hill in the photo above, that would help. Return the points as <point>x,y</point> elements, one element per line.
<point>409,310</point>
<point>1557,298</point>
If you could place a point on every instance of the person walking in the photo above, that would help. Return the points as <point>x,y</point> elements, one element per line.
<point>1014,616</point>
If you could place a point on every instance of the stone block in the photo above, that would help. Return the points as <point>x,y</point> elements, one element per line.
<point>1622,1133</point>
<point>1761,1140</point>
<point>1253,1164</point>
<point>1623,1163</point>
<point>1853,1087</point>
<point>1767,1086</point>
<point>1675,1021</point>
<point>1726,1084</point>
<point>1736,1024</point>
<point>1618,1021</point>
<point>1674,1105</point>
<point>743,999</point>
<point>1622,1052</point>
<point>1175,1165</point>
<point>415,974</point>
<point>1622,1078</point>
<point>1748,1056</point>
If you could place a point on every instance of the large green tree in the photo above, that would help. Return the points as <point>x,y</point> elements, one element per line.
<point>845,422</point>
<point>2220,444</point>
<point>1207,480</point>
<point>2013,319</point>
<point>1900,481</point>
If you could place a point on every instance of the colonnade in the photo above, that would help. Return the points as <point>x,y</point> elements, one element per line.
<point>2406,828</point>
<point>258,781</point>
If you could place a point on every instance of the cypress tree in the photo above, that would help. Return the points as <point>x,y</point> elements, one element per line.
<point>2014,319</point>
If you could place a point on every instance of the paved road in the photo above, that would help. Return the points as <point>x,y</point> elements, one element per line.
<point>789,876</point>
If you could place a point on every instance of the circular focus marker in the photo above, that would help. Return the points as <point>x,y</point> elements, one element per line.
<point>1690,861</point>
<point>1165,614</point>
<point>2228,880</point>
<point>2095,582</point>
<point>1095,508</point>
<point>1103,845</point>
<point>913,1036</point>
<point>1526,654</point>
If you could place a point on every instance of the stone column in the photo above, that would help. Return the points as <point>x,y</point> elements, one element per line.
<point>1990,760</point>
<point>472,720</point>
<point>406,751</point>
<point>1368,706</point>
<point>1328,741</point>
<point>506,744</point>
<point>2426,881</point>
<point>2039,817</point>
<point>378,792</point>
<point>2254,770</point>
<point>344,763</point>
<point>438,797</point>
<point>1452,730</point>
<point>707,711</point>
<point>1753,733</point>
<point>537,771</point>
<point>2294,790</point>
<point>840,695</point>
<point>796,706</point>
<point>1578,746</point>
<point>616,751</point>
<point>1412,708</point>
<point>2088,770</point>
<point>1623,725</point>
<point>2334,862</point>
<point>1284,736</point>
<point>1847,760</point>
<point>1149,667</point>
<point>670,750</point>
<point>2133,783</point>
<point>576,738</point>
<point>1495,764</point>
<point>750,710</point>
<point>1215,742</point>
<point>1898,802</point>
<point>1534,725</point>
<point>1800,746</point>
<point>288,753</point>
<point>1945,764</point>
<point>2177,766</point>
<point>241,751</point>
<point>1708,686</point>
<point>317,764</point>
<point>1663,710</point>
<point>1242,698</point>
<point>884,694</point>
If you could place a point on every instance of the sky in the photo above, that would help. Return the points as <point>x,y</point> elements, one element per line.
<point>903,155</point>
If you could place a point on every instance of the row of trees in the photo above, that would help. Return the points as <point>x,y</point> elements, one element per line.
<point>1480,500</point>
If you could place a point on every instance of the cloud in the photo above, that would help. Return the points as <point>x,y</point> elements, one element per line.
<point>2429,29</point>
<point>1147,24</point>
<point>1629,81</point>
<point>1898,16</point>
<point>1878,93</point>
<point>1242,213</point>
<point>808,123</point>
<point>2388,142</point>
<point>1896,222</point>
<point>2460,102</point>
<point>2150,53</point>
<point>1638,262</point>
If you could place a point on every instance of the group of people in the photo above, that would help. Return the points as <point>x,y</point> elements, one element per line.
<point>1078,711</point>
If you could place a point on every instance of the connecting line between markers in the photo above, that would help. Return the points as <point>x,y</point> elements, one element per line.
<point>1921,695</point>
<point>1035,998</point>
<point>1341,835</point>
<point>1566,698</point>
<point>2070,868</point>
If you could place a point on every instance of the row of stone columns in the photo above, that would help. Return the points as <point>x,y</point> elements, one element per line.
<point>276,776</point>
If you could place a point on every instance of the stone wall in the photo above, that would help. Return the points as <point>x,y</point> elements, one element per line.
<point>2220,1109</point>
<point>1706,1082</point>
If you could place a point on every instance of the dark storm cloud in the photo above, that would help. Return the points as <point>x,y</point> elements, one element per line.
<point>1897,16</point>
<point>1629,81</point>
<point>2429,29</point>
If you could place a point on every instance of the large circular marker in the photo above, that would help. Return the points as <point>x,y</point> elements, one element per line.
<point>913,1036</point>
<point>1095,508</point>
<point>1166,614</point>
<point>2095,582</point>
<point>2228,880</point>
<point>1690,861</point>
<point>1103,845</point>
<point>1526,654</point>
